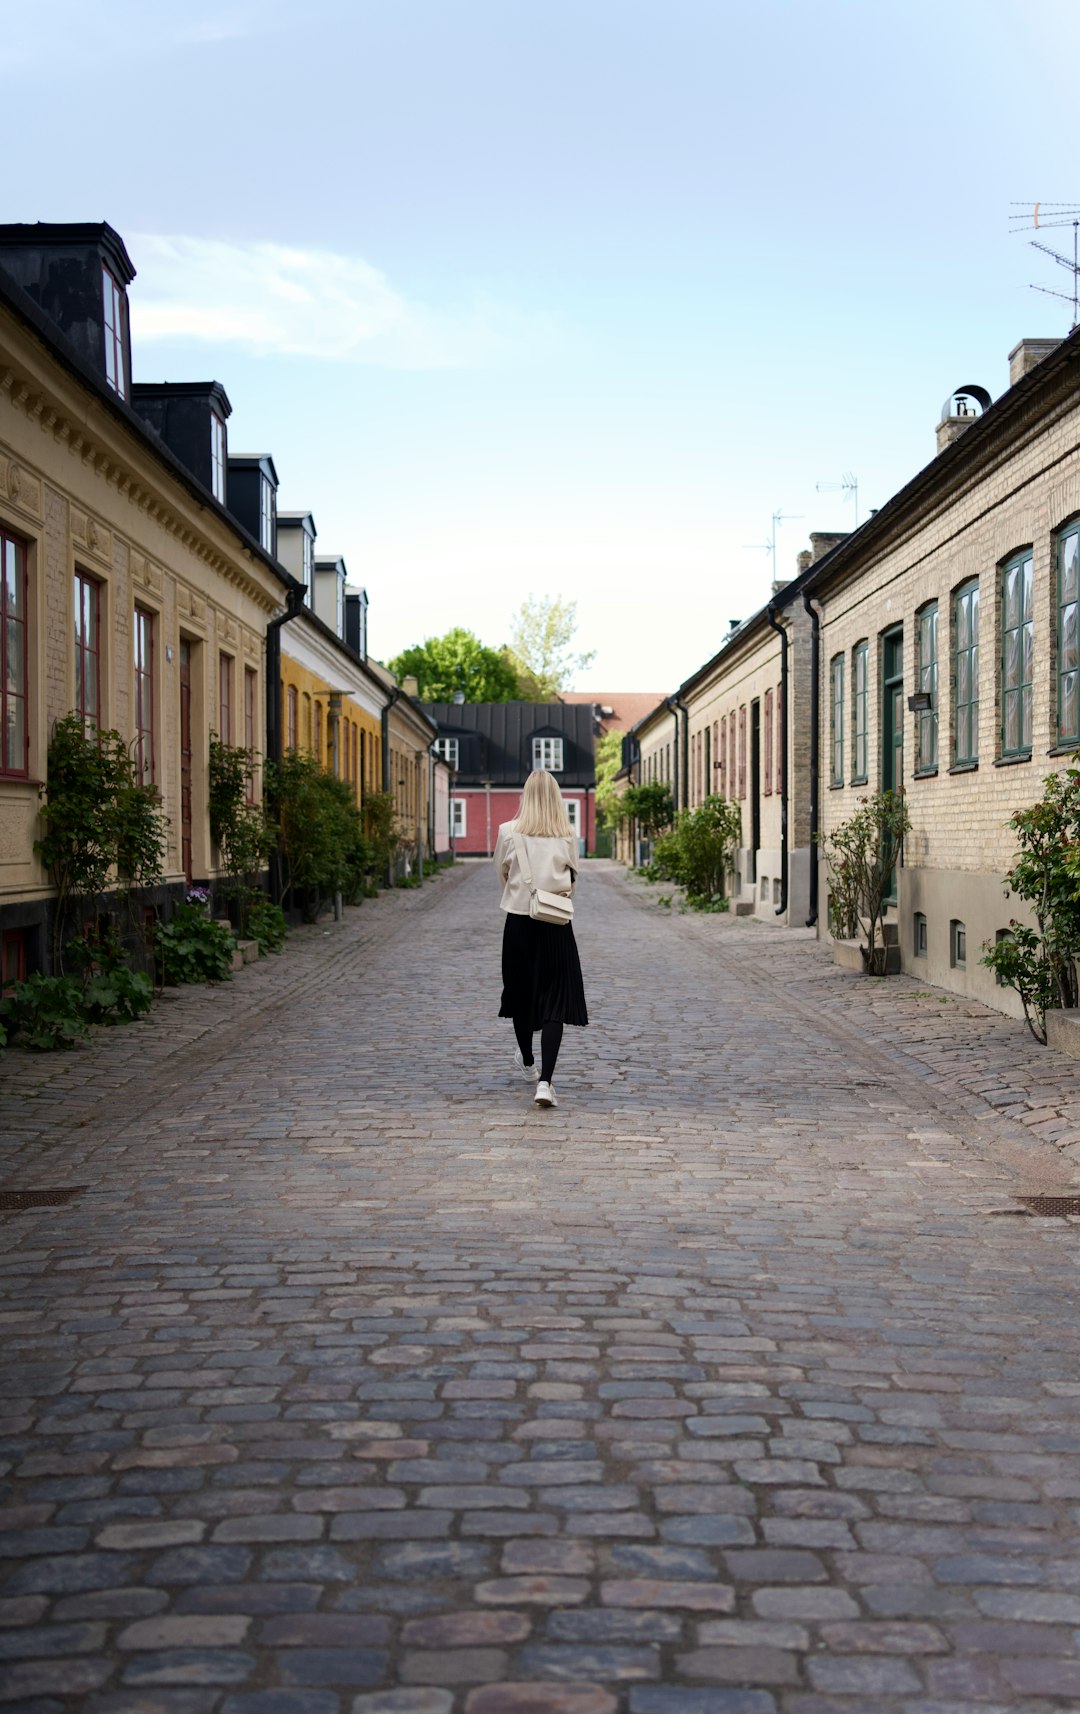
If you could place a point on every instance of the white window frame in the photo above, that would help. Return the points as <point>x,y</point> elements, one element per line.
<point>113,303</point>
<point>447,748</point>
<point>547,755</point>
<point>266,514</point>
<point>573,814</point>
<point>217,457</point>
<point>459,817</point>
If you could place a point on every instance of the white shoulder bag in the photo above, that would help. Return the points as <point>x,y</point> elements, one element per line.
<point>543,907</point>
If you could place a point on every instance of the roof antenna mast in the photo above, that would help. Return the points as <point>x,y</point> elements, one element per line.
<point>848,486</point>
<point>1039,214</point>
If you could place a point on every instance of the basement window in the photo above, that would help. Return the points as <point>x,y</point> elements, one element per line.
<point>957,945</point>
<point>919,936</point>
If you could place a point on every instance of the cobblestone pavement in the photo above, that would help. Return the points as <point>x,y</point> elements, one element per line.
<point>352,1384</point>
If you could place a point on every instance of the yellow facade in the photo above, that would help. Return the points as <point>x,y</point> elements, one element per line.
<point>96,517</point>
<point>330,725</point>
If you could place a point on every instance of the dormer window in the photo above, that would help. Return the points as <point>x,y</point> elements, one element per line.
<point>548,754</point>
<point>309,560</point>
<point>266,514</point>
<point>447,748</point>
<point>115,369</point>
<point>217,457</point>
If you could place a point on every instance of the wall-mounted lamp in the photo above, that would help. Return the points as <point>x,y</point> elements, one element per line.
<point>920,701</point>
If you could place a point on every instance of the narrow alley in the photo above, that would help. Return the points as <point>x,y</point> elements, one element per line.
<point>349,1383</point>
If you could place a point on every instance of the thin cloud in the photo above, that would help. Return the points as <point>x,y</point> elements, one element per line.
<point>275,300</point>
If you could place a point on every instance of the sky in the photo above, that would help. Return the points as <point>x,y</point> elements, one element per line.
<point>565,297</point>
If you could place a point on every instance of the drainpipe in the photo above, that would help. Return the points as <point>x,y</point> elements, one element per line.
<point>682,799</point>
<point>815,752</point>
<point>420,813</point>
<point>386,785</point>
<point>781,632</point>
<point>294,606</point>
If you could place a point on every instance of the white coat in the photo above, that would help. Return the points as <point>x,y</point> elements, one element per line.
<point>553,862</point>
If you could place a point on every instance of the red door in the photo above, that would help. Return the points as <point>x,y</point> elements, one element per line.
<point>185,757</point>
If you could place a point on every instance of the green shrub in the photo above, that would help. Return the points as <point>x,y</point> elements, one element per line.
<point>320,833</point>
<point>1038,962</point>
<point>650,805</point>
<point>698,850</point>
<point>193,947</point>
<point>100,823</point>
<point>266,924</point>
<point>112,993</point>
<point>862,854</point>
<point>45,1012</point>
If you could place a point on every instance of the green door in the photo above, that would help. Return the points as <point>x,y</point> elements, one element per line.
<point>892,719</point>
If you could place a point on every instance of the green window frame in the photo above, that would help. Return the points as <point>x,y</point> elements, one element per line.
<point>1017,650</point>
<point>966,674</point>
<point>836,727</point>
<point>1068,640</point>
<point>860,704</point>
<point>926,642</point>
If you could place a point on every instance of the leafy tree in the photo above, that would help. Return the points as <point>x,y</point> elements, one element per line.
<point>608,763</point>
<point>541,635</point>
<point>458,661</point>
<point>697,851</point>
<point>651,805</point>
<point>862,855</point>
<point>1038,962</point>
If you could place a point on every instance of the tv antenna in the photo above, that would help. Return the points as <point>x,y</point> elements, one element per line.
<point>1041,214</point>
<point>769,547</point>
<point>848,485</point>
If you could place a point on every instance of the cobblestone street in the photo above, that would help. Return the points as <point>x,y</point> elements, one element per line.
<point>351,1384</point>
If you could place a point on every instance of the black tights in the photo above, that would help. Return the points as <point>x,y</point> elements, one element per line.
<point>550,1043</point>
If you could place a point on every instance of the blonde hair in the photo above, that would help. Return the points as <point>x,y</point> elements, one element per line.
<point>542,813</point>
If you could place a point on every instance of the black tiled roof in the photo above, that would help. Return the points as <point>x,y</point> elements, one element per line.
<point>495,739</point>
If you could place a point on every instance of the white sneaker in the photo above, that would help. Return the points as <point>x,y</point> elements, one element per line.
<point>545,1096</point>
<point>531,1073</point>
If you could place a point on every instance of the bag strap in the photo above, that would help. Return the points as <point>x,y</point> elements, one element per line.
<point>523,860</point>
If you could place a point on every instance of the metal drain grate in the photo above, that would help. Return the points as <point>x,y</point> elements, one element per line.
<point>12,1200</point>
<point>1059,1205</point>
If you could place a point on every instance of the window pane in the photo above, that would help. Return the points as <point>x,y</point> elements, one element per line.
<point>1011,712</point>
<point>1025,733</point>
<point>15,734</point>
<point>1070,555</point>
<point>13,666</point>
<point>1012,597</point>
<point>1012,659</point>
<point>1028,653</point>
<point>963,623</point>
<point>1068,721</point>
<point>973,601</point>
<point>1068,637</point>
<point>963,678</point>
<point>1028,595</point>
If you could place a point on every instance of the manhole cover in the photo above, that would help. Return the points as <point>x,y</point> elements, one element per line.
<point>11,1200</point>
<point>1051,1204</point>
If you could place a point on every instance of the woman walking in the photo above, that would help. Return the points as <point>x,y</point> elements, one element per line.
<point>541,973</point>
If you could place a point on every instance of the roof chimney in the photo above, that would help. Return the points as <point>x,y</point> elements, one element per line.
<point>823,542</point>
<point>1024,357</point>
<point>959,411</point>
<point>410,684</point>
<point>803,561</point>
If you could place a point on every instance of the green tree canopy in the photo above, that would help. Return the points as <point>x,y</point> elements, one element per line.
<point>458,661</point>
<point>541,635</point>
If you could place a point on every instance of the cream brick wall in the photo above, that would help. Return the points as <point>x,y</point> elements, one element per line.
<point>83,490</point>
<point>1019,497</point>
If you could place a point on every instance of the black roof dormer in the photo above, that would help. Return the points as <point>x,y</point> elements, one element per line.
<point>252,496</point>
<point>183,413</point>
<point>66,270</point>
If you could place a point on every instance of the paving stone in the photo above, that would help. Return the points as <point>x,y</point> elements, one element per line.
<point>513,1698</point>
<point>452,1666</point>
<point>727,1379</point>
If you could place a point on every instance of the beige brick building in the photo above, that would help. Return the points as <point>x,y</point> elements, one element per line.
<point>948,656</point>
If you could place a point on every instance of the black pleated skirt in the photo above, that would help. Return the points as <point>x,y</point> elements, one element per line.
<point>541,973</point>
